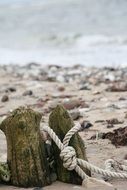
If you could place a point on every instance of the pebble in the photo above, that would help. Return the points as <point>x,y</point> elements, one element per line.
<point>60,78</point>
<point>28,93</point>
<point>125,157</point>
<point>84,87</point>
<point>96,92</point>
<point>74,103</point>
<point>5,98</point>
<point>110,77</point>
<point>125,116</point>
<point>85,125</point>
<point>61,88</point>
<point>117,87</point>
<point>10,89</point>
<point>122,99</point>
<point>75,114</point>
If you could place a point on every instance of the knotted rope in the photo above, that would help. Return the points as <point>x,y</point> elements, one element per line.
<point>71,162</point>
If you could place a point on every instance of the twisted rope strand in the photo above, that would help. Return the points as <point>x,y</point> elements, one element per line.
<point>54,137</point>
<point>70,133</point>
<point>71,162</point>
<point>98,170</point>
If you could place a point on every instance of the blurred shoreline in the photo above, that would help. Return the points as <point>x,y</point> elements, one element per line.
<point>90,33</point>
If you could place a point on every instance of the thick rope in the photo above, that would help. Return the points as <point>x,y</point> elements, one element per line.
<point>71,162</point>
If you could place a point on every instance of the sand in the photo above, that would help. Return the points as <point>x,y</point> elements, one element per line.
<point>102,105</point>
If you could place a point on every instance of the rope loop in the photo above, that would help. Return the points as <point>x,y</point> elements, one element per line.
<point>68,155</point>
<point>71,162</point>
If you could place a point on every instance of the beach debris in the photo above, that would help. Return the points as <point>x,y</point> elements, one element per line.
<point>5,98</point>
<point>114,121</point>
<point>118,137</point>
<point>98,135</point>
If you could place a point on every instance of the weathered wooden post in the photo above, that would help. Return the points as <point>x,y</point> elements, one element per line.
<point>26,156</point>
<point>61,122</point>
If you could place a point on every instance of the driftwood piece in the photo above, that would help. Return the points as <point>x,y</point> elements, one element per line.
<point>26,156</point>
<point>61,122</point>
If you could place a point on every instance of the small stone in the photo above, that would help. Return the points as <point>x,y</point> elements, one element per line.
<point>61,88</point>
<point>125,116</point>
<point>10,89</point>
<point>122,98</point>
<point>53,104</point>
<point>75,114</point>
<point>75,103</point>
<point>85,125</point>
<point>60,78</point>
<point>85,87</point>
<point>113,106</point>
<point>96,92</point>
<point>51,78</point>
<point>109,77</point>
<point>125,157</point>
<point>5,98</point>
<point>28,93</point>
<point>37,188</point>
<point>117,87</point>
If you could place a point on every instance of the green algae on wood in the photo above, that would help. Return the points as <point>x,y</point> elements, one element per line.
<point>61,122</point>
<point>5,174</point>
<point>26,156</point>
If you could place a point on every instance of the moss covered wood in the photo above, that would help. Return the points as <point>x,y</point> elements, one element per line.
<point>61,122</point>
<point>25,150</point>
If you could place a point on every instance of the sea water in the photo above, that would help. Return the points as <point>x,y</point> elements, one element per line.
<point>63,32</point>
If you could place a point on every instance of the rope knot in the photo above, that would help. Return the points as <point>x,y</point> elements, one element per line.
<point>68,155</point>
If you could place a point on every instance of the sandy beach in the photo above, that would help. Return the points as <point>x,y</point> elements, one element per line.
<point>91,95</point>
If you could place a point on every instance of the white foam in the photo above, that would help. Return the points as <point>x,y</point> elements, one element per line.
<point>86,55</point>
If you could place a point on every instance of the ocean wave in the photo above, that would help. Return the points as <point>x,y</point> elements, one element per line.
<point>90,56</point>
